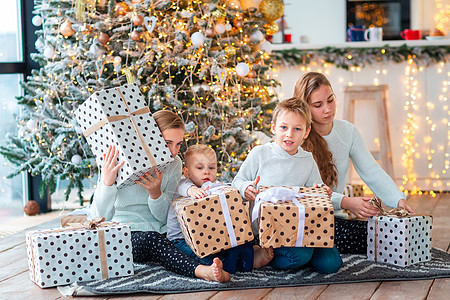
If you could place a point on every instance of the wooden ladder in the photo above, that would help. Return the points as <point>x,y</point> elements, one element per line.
<point>379,94</point>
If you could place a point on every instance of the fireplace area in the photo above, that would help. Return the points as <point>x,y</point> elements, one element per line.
<point>392,15</point>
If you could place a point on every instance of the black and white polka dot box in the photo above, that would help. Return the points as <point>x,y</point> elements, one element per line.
<point>61,256</point>
<point>120,117</point>
<point>400,241</point>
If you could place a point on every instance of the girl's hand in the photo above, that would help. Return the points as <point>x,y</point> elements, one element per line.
<point>359,206</point>
<point>403,204</point>
<point>329,191</point>
<point>110,168</point>
<point>196,192</point>
<point>152,184</point>
<point>251,191</point>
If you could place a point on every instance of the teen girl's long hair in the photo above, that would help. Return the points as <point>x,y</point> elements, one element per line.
<point>315,143</point>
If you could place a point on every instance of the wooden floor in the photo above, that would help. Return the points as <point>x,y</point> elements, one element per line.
<point>15,283</point>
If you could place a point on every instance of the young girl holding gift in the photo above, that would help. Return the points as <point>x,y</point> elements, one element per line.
<point>333,144</point>
<point>200,169</point>
<point>285,163</point>
<point>144,206</point>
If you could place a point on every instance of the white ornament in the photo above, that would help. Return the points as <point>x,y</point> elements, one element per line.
<point>219,28</point>
<point>228,27</point>
<point>117,60</point>
<point>185,14</point>
<point>152,26</point>
<point>37,21</point>
<point>32,124</point>
<point>242,69</point>
<point>197,39</point>
<point>256,36</point>
<point>49,52</point>
<point>76,159</point>
<point>266,46</point>
<point>39,44</point>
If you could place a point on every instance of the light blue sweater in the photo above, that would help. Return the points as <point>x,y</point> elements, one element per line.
<point>276,167</point>
<point>132,205</point>
<point>346,143</point>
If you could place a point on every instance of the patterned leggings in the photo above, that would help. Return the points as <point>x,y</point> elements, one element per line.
<point>153,246</point>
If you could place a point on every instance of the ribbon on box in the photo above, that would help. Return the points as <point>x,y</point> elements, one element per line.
<point>216,189</point>
<point>283,194</point>
<point>96,224</point>
<point>106,120</point>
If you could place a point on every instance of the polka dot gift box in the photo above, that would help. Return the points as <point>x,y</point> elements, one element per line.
<point>294,217</point>
<point>399,240</point>
<point>214,223</point>
<point>62,256</point>
<point>120,117</point>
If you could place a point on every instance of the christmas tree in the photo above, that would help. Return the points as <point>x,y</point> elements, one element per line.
<point>206,60</point>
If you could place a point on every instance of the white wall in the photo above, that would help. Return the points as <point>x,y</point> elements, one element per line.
<point>323,21</point>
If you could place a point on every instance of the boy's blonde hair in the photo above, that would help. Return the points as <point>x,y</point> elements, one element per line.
<point>199,149</point>
<point>294,105</point>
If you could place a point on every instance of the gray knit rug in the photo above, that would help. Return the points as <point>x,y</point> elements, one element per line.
<point>153,278</point>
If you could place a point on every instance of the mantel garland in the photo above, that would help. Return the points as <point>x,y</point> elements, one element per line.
<point>346,58</point>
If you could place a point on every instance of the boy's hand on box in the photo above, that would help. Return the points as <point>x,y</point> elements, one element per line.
<point>329,191</point>
<point>196,192</point>
<point>152,184</point>
<point>251,191</point>
<point>359,206</point>
<point>110,168</point>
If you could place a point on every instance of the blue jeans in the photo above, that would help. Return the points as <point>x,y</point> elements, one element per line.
<point>323,260</point>
<point>235,259</point>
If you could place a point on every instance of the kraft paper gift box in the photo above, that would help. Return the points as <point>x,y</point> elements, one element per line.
<point>354,190</point>
<point>61,256</point>
<point>282,222</point>
<point>214,223</point>
<point>399,240</point>
<point>120,117</point>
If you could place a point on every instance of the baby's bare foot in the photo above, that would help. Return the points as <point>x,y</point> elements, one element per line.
<point>214,272</point>
<point>262,256</point>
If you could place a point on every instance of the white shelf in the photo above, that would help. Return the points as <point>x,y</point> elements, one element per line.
<point>410,43</point>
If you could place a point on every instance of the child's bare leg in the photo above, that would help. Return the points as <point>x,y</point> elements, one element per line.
<point>262,256</point>
<point>214,272</point>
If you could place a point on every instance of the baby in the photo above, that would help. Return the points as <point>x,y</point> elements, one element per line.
<point>201,167</point>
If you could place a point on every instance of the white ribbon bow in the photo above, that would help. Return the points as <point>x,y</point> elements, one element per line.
<point>283,194</point>
<point>216,189</point>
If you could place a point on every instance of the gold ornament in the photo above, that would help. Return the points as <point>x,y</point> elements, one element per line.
<point>66,29</point>
<point>86,29</point>
<point>271,28</point>
<point>121,8</point>
<point>136,1</point>
<point>103,38</point>
<point>230,51</point>
<point>271,9</point>
<point>238,22</point>
<point>137,20</point>
<point>252,74</point>
<point>246,4</point>
<point>135,35</point>
<point>219,14</point>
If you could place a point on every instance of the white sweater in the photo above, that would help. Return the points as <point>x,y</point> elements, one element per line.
<point>346,143</point>
<point>133,205</point>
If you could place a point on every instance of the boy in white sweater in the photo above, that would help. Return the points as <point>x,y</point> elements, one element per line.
<point>285,163</point>
<point>200,168</point>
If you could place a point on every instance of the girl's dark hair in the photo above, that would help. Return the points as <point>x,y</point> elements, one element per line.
<point>315,143</point>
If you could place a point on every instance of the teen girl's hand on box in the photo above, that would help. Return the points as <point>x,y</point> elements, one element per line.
<point>110,168</point>
<point>359,206</point>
